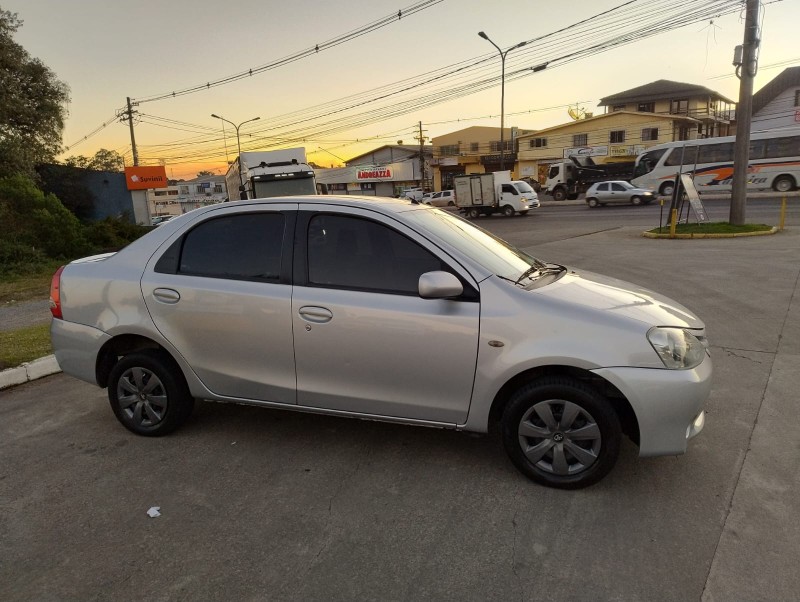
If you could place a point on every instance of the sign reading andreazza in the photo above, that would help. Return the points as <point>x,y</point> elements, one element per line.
<point>374,173</point>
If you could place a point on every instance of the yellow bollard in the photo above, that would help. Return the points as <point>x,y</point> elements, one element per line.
<point>783,214</point>
<point>673,223</point>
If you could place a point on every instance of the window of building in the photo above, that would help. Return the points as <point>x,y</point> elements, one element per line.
<point>473,147</point>
<point>238,247</point>
<point>218,188</point>
<point>538,142</point>
<point>647,107</point>
<point>355,253</point>
<point>617,136</point>
<point>184,190</point>
<point>616,108</point>
<point>449,150</point>
<point>580,139</point>
<point>172,192</point>
<point>683,133</point>
<point>160,192</point>
<point>649,134</point>
<point>679,107</point>
<point>495,146</point>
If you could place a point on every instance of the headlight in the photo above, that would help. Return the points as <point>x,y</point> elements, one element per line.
<point>678,348</point>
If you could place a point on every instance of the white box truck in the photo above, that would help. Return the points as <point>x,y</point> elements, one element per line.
<point>263,174</point>
<point>488,193</point>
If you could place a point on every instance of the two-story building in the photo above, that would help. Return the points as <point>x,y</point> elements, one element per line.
<point>185,195</point>
<point>474,149</point>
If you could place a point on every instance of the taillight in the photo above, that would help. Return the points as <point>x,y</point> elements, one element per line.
<point>55,294</point>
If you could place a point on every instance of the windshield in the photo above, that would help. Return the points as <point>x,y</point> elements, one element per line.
<point>275,188</point>
<point>645,163</point>
<point>523,186</point>
<point>493,253</point>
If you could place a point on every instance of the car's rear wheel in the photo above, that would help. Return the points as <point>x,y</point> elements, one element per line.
<point>508,211</point>
<point>561,433</point>
<point>148,394</point>
<point>636,200</point>
<point>473,213</point>
<point>592,202</point>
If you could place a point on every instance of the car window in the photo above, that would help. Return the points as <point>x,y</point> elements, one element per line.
<point>242,247</point>
<point>617,187</point>
<point>602,188</point>
<point>356,253</point>
<point>509,188</point>
<point>437,195</point>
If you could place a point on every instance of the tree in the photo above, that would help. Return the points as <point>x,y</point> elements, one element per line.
<point>103,160</point>
<point>204,173</point>
<point>33,105</point>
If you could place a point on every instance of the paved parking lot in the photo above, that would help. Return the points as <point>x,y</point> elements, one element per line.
<point>269,505</point>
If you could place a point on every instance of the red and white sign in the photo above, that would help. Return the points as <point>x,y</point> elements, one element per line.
<point>374,173</point>
<point>142,178</point>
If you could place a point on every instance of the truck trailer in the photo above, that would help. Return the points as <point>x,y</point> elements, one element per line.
<point>488,193</point>
<point>571,177</point>
<point>264,174</point>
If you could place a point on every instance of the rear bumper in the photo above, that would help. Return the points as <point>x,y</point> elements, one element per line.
<point>668,404</point>
<point>76,347</point>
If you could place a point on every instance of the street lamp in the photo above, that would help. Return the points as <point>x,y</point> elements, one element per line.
<point>238,145</point>
<point>502,93</point>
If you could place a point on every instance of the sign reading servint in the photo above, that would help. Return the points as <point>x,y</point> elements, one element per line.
<point>374,173</point>
<point>142,178</point>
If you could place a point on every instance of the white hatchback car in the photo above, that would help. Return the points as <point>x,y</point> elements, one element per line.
<point>445,198</point>
<point>346,306</point>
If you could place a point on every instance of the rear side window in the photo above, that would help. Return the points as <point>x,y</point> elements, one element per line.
<point>602,188</point>
<point>355,253</point>
<point>239,247</point>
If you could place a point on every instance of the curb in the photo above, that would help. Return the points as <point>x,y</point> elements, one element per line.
<point>773,230</point>
<point>44,366</point>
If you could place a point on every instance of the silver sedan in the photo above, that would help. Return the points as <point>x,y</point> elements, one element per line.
<point>617,191</point>
<point>383,309</point>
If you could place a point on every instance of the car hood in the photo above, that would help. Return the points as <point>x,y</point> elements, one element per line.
<point>618,297</point>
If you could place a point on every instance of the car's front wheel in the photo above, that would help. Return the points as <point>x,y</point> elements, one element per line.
<point>148,393</point>
<point>561,433</point>
<point>508,211</point>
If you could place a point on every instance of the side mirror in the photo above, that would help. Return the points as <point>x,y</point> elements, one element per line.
<point>439,285</point>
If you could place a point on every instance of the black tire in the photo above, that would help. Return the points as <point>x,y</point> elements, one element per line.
<point>572,196</point>
<point>667,188</point>
<point>158,400</point>
<point>592,202</point>
<point>508,211</point>
<point>473,213</point>
<point>783,184</point>
<point>450,203</point>
<point>636,200</point>
<point>565,456</point>
<point>559,194</point>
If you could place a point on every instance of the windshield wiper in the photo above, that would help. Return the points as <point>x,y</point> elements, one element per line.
<point>536,271</point>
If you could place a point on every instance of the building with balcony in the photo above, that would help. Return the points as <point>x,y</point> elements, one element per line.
<point>713,111</point>
<point>184,195</point>
<point>472,150</point>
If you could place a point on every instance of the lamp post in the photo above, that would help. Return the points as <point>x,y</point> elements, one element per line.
<point>502,93</point>
<point>238,145</point>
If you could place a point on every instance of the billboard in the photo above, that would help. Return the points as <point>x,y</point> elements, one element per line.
<point>142,178</point>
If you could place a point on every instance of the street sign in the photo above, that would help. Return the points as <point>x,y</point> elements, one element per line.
<point>694,198</point>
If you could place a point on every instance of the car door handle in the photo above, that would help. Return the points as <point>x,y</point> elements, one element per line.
<point>167,295</point>
<point>318,315</point>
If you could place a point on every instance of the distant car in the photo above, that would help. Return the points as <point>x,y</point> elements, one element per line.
<point>346,306</point>
<point>160,219</point>
<point>414,194</point>
<point>444,198</point>
<point>618,191</point>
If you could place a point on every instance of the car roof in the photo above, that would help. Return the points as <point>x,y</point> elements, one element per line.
<point>390,205</point>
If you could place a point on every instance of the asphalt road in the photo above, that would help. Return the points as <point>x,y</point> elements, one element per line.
<point>268,505</point>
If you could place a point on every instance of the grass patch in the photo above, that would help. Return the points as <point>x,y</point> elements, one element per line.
<point>713,228</point>
<point>24,345</point>
<point>33,284</point>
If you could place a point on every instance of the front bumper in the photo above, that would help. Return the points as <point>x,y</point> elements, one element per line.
<point>668,404</point>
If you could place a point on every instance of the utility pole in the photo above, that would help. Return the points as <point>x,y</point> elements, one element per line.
<point>745,71</point>
<point>128,116</point>
<point>421,138</point>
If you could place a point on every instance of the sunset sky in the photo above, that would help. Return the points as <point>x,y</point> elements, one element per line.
<point>107,51</point>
